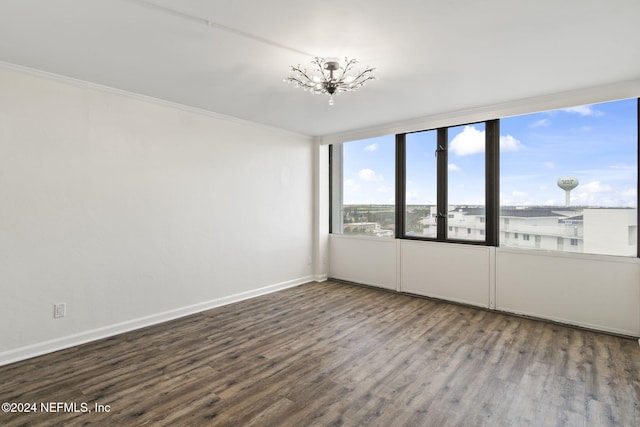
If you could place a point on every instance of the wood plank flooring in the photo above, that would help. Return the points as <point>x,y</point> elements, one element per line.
<point>330,354</point>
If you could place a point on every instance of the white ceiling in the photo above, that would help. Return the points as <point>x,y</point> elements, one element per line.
<point>230,56</point>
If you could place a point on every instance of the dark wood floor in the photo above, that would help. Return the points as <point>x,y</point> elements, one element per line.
<point>336,354</point>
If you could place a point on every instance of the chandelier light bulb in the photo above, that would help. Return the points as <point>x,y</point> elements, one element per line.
<point>329,77</point>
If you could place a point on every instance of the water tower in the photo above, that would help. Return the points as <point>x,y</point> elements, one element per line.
<point>567,183</point>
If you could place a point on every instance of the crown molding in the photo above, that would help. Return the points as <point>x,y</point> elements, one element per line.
<point>139,97</point>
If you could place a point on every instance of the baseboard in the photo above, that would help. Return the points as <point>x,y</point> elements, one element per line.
<point>38,349</point>
<point>568,322</point>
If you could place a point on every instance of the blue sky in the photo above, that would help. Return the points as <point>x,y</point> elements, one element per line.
<point>595,143</point>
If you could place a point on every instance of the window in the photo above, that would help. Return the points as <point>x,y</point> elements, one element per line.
<point>571,174</point>
<point>364,203</point>
<point>421,185</point>
<point>466,177</point>
<point>443,183</point>
<point>567,177</point>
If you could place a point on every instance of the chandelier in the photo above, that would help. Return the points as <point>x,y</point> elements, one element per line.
<point>328,76</point>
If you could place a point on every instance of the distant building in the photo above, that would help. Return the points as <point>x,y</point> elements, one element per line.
<point>367,228</point>
<point>610,231</point>
<point>537,227</point>
<point>606,231</point>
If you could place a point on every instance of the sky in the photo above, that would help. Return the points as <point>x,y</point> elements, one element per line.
<point>597,144</point>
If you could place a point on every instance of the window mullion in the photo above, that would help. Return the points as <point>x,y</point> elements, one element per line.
<point>492,182</point>
<point>442,208</point>
<point>401,189</point>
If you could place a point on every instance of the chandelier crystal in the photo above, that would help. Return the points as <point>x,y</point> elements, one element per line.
<point>328,76</point>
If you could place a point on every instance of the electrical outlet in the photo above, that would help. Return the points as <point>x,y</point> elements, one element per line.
<point>59,310</point>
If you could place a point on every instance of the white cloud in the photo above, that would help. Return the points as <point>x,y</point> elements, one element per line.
<point>385,189</point>
<point>549,165</point>
<point>509,143</point>
<point>471,141</point>
<point>540,123</point>
<point>453,167</point>
<point>372,147</point>
<point>596,193</point>
<point>351,185</point>
<point>629,192</point>
<point>411,196</point>
<point>583,110</point>
<point>516,198</point>
<point>623,166</point>
<point>369,175</point>
<point>596,187</point>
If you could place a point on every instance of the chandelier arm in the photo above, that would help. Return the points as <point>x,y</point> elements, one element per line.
<point>306,85</point>
<point>347,67</point>
<point>320,62</point>
<point>303,73</point>
<point>362,74</point>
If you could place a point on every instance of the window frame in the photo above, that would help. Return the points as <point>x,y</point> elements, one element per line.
<point>492,173</point>
<point>492,184</point>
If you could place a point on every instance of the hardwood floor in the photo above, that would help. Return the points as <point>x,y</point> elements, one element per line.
<point>336,354</point>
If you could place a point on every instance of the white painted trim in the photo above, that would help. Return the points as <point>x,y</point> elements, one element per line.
<point>447,298</point>
<point>561,320</point>
<point>360,237</point>
<point>493,268</point>
<point>62,343</point>
<point>139,97</point>
<point>570,255</point>
<point>398,265</point>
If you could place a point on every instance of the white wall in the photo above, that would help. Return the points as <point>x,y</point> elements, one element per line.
<point>132,212</point>
<point>594,291</point>
<point>366,260</point>
<point>458,273</point>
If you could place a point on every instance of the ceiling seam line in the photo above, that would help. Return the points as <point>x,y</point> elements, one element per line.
<point>213,24</point>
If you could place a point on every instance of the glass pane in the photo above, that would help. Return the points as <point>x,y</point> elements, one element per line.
<point>569,178</point>
<point>421,184</point>
<point>368,188</point>
<point>466,183</point>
